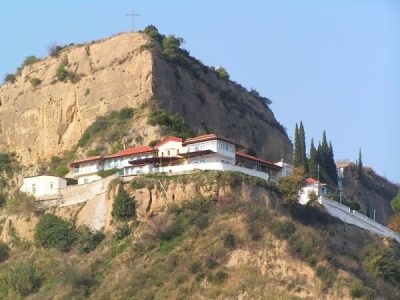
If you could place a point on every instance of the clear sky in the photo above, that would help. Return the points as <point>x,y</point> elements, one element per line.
<point>333,64</point>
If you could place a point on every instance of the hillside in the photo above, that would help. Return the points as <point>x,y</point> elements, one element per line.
<point>61,96</point>
<point>371,191</point>
<point>210,241</point>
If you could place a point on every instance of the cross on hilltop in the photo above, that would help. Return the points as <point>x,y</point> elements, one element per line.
<point>133,15</point>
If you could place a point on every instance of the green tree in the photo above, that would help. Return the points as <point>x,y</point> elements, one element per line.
<point>54,232</point>
<point>312,162</point>
<point>297,148</point>
<point>171,45</point>
<point>359,165</point>
<point>222,73</point>
<point>396,202</point>
<point>152,32</point>
<point>10,78</point>
<point>290,186</point>
<point>303,156</point>
<point>124,207</point>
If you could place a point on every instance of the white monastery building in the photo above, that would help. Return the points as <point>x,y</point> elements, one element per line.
<point>175,155</point>
<point>43,185</point>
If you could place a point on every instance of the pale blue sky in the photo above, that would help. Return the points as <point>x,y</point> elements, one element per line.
<point>333,64</point>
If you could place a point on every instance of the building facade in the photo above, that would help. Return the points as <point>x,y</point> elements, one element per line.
<point>43,185</point>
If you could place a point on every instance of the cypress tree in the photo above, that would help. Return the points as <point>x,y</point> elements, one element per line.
<point>303,156</point>
<point>332,165</point>
<point>359,165</point>
<point>297,148</point>
<point>312,162</point>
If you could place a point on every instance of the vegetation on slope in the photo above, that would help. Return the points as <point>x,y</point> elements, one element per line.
<point>213,248</point>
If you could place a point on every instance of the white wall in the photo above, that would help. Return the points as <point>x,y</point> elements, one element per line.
<point>211,158</point>
<point>88,168</point>
<point>137,170</point>
<point>88,178</point>
<point>39,186</point>
<point>286,170</point>
<point>222,148</point>
<point>349,216</point>
<point>173,147</point>
<point>122,162</point>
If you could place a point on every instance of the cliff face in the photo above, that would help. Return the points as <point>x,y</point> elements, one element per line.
<point>211,104</point>
<point>43,121</point>
<point>38,122</point>
<point>372,192</point>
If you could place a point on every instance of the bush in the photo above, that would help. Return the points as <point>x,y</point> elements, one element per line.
<point>124,207</point>
<point>283,229</point>
<point>22,278</point>
<point>61,73</point>
<point>4,252</point>
<point>302,247</point>
<point>152,32</point>
<point>29,60</point>
<point>79,278</point>
<point>3,200</point>
<point>229,241</point>
<point>358,290</point>
<point>327,274</point>
<point>393,223</point>
<point>125,114</point>
<point>195,267</point>
<point>54,232</point>
<point>122,232</point>
<point>174,124</point>
<point>290,186</point>
<point>61,171</point>
<point>88,240</point>
<point>171,46</point>
<point>396,202</point>
<point>73,77</point>
<point>54,50</point>
<point>9,78</point>
<point>106,173</point>
<point>35,81</point>
<point>222,73</point>
<point>381,261</point>
<point>219,277</point>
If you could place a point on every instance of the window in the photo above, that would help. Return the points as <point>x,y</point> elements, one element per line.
<point>86,180</point>
<point>169,153</point>
<point>33,188</point>
<point>51,185</point>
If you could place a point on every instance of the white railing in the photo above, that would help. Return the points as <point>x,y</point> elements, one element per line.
<point>350,216</point>
<point>217,166</point>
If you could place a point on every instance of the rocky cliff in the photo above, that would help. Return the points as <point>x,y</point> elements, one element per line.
<point>38,120</point>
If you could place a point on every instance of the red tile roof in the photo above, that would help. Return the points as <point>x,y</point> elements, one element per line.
<point>88,159</point>
<point>132,151</point>
<point>311,181</point>
<point>256,159</point>
<point>169,139</point>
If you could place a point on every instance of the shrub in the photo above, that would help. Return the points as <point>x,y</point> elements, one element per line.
<point>162,227</point>
<point>396,202</point>
<point>195,267</point>
<point>152,32</point>
<point>211,263</point>
<point>229,241</point>
<point>123,206</point>
<point>381,261</point>
<point>219,277</point>
<point>327,275</point>
<point>54,50</point>
<point>290,186</point>
<point>3,200</point>
<point>174,124</point>
<point>29,60</point>
<point>79,278</point>
<point>125,114</point>
<point>21,203</point>
<point>54,232</point>
<point>84,139</point>
<point>4,252</point>
<point>283,229</point>
<point>35,81</point>
<point>73,77</point>
<point>138,184</point>
<point>303,247</point>
<point>171,45</point>
<point>358,290</point>
<point>106,173</point>
<point>61,171</point>
<point>122,232</point>
<point>222,73</point>
<point>9,78</point>
<point>22,278</point>
<point>393,223</point>
<point>61,73</point>
<point>88,240</point>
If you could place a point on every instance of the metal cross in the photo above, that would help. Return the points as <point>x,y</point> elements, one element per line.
<point>133,15</point>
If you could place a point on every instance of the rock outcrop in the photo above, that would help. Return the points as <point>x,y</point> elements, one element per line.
<point>38,121</point>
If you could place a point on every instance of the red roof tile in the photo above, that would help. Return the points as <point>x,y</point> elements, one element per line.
<point>169,139</point>
<point>132,151</point>
<point>311,181</point>
<point>256,159</point>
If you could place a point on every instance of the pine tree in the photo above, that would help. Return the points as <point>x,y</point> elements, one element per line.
<point>297,148</point>
<point>303,156</point>
<point>312,162</point>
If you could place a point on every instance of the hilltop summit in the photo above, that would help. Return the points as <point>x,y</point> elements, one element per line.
<point>53,101</point>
